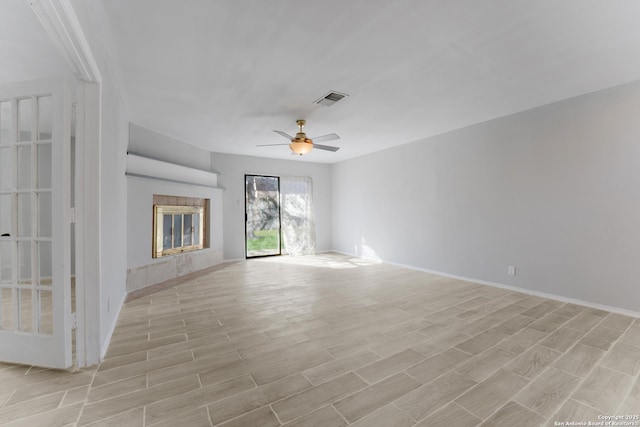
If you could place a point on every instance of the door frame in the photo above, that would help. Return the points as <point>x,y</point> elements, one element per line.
<point>246,218</point>
<point>61,23</point>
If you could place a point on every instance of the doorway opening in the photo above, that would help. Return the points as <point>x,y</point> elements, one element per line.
<point>262,216</point>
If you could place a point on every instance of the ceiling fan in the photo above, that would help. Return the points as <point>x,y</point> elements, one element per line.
<point>300,144</point>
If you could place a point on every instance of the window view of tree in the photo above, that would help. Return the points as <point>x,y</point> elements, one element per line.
<point>298,231</point>
<point>263,215</point>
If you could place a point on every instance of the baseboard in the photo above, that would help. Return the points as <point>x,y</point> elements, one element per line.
<point>546,295</point>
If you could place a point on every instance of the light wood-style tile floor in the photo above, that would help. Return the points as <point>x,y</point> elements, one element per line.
<point>330,341</point>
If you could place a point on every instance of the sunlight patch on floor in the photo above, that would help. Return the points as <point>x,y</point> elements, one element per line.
<point>325,260</point>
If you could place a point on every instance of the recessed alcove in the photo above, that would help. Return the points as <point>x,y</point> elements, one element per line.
<point>158,190</point>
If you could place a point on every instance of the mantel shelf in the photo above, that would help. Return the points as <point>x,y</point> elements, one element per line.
<point>145,167</point>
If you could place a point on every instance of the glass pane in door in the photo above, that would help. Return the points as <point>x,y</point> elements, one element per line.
<point>6,309</point>
<point>6,168</point>
<point>44,165</point>
<point>6,214</point>
<point>46,312</point>
<point>6,262</point>
<point>44,117</point>
<point>262,204</point>
<point>24,167</point>
<point>5,122</point>
<point>24,119</point>
<point>26,310</point>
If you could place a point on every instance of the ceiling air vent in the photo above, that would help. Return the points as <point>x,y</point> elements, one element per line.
<point>330,98</point>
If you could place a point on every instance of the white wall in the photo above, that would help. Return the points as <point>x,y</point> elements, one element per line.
<point>553,191</point>
<point>113,206</point>
<point>112,182</point>
<point>232,169</point>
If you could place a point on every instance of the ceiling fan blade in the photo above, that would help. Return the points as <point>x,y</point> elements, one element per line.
<point>325,147</point>
<point>323,138</point>
<point>286,135</point>
<point>269,145</point>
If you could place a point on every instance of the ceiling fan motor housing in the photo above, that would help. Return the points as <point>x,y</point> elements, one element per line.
<point>301,144</point>
<point>301,137</point>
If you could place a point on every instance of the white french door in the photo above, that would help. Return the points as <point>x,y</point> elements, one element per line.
<point>35,279</point>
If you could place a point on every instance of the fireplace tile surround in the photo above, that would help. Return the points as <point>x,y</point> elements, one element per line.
<point>171,267</point>
<point>144,192</point>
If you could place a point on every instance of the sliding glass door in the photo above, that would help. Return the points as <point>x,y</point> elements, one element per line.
<point>262,215</point>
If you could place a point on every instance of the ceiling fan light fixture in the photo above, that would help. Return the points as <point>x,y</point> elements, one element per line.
<point>300,144</point>
<point>301,147</point>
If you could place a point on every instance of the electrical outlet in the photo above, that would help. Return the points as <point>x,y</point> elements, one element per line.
<point>511,270</point>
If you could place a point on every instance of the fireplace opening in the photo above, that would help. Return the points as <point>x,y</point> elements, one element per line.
<point>179,225</point>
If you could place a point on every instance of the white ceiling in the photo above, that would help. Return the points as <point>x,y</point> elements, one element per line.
<point>26,51</point>
<point>222,74</point>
